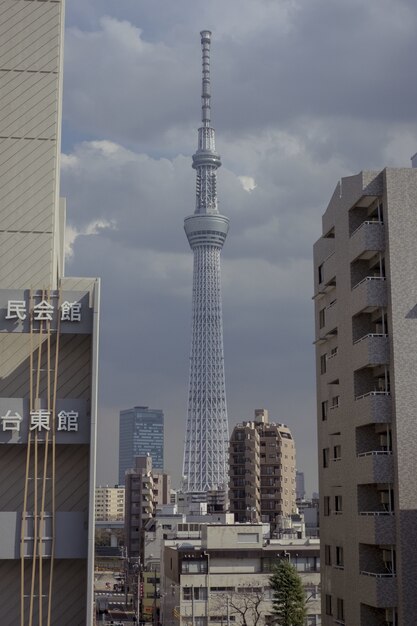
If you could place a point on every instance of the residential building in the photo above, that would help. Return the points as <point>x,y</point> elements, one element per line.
<point>141,432</point>
<point>48,343</point>
<point>365,268</point>
<point>212,583</point>
<point>110,503</point>
<point>146,490</point>
<point>262,472</point>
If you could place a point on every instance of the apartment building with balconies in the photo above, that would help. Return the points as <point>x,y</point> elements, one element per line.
<point>262,472</point>
<point>365,274</point>
<point>110,503</point>
<point>146,490</point>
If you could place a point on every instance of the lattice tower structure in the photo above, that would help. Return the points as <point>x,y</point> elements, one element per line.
<point>206,441</point>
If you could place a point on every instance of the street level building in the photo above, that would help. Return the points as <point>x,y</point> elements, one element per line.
<point>262,472</point>
<point>141,432</point>
<point>48,343</point>
<point>365,269</point>
<point>146,490</point>
<point>225,580</point>
<point>110,504</point>
<point>207,434</point>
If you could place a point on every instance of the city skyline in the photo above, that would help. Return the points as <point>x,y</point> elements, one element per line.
<point>129,120</point>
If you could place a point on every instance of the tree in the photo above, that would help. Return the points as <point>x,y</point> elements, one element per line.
<point>244,605</point>
<point>288,595</point>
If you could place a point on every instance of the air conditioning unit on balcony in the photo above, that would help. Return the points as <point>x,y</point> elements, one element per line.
<point>384,497</point>
<point>388,558</point>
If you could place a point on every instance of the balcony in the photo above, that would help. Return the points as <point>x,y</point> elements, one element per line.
<point>367,240</point>
<point>332,365</point>
<point>378,590</point>
<point>375,467</point>
<point>370,351</point>
<point>329,273</point>
<point>376,527</point>
<point>374,407</point>
<point>368,295</point>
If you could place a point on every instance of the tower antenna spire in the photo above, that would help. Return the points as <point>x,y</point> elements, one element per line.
<point>205,92</point>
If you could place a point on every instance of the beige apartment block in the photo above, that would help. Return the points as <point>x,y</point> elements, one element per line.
<point>262,472</point>
<point>365,269</point>
<point>110,504</point>
<point>48,343</point>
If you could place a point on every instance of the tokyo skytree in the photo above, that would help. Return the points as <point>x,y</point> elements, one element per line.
<point>207,434</point>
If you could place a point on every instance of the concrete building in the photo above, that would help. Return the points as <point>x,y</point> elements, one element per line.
<point>300,490</point>
<point>48,343</point>
<point>365,268</point>
<point>214,582</point>
<point>146,490</point>
<point>110,504</point>
<point>141,432</point>
<point>262,472</point>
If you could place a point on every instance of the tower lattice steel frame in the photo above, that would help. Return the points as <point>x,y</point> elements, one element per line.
<point>207,434</point>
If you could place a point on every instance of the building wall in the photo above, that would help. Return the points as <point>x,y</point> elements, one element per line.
<point>141,433</point>
<point>365,282</point>
<point>47,474</point>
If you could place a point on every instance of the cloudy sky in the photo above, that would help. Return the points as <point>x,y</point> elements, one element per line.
<point>304,92</point>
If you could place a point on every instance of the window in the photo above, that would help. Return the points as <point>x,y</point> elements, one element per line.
<point>323,363</point>
<point>322,318</point>
<point>324,409</point>
<point>248,537</point>
<point>328,604</point>
<point>339,556</point>
<point>193,567</point>
<point>200,593</point>
<point>335,402</point>
<point>328,555</point>
<point>337,452</point>
<point>326,505</point>
<point>340,610</point>
<point>320,273</point>
<point>325,457</point>
<point>338,504</point>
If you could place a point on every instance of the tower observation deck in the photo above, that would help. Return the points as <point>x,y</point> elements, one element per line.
<point>207,436</point>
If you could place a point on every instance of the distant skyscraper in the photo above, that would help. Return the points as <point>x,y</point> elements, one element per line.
<point>206,439</point>
<point>300,489</point>
<point>141,433</point>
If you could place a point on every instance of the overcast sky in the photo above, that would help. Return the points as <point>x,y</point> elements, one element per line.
<point>304,92</point>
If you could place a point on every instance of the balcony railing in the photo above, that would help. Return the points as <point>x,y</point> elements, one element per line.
<point>375,453</point>
<point>370,335</point>
<point>366,224</point>
<point>376,513</point>
<point>373,393</point>
<point>378,574</point>
<point>368,278</point>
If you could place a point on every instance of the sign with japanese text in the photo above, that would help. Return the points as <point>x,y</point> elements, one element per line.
<point>70,424</point>
<point>21,310</point>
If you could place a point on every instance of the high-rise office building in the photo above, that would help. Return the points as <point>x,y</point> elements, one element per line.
<point>262,472</point>
<point>48,343</point>
<point>141,432</point>
<point>365,267</point>
<point>206,437</point>
<point>300,490</point>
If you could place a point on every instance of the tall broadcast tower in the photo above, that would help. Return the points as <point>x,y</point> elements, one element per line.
<point>207,436</point>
